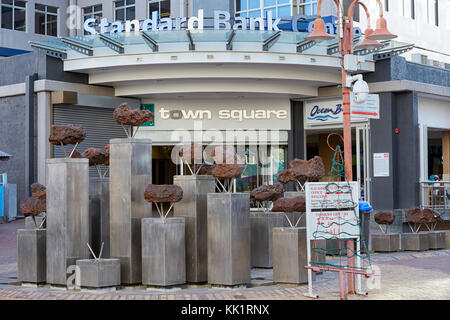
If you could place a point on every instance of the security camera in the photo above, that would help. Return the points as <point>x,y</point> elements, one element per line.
<point>360,88</point>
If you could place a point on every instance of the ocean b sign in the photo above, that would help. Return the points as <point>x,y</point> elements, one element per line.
<point>326,112</point>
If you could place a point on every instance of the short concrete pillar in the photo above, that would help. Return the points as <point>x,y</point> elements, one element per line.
<point>289,255</point>
<point>193,207</point>
<point>415,241</point>
<point>99,214</point>
<point>29,223</point>
<point>163,251</point>
<point>228,238</point>
<point>389,242</point>
<point>261,225</point>
<point>436,239</point>
<point>130,173</point>
<point>101,273</point>
<point>447,239</point>
<point>67,216</point>
<point>293,194</point>
<point>31,257</point>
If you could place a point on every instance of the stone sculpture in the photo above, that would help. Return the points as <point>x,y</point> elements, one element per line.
<point>384,217</point>
<point>297,204</point>
<point>300,170</point>
<point>37,204</point>
<point>160,194</point>
<point>67,134</point>
<point>95,156</point>
<point>418,217</point>
<point>126,116</point>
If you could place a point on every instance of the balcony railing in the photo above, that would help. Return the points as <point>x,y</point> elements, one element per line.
<point>435,194</point>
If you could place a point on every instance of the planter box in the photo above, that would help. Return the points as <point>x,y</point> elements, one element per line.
<point>261,225</point>
<point>447,239</point>
<point>289,255</point>
<point>31,255</point>
<point>163,251</point>
<point>193,208</point>
<point>100,273</point>
<point>415,241</point>
<point>436,239</point>
<point>130,174</point>
<point>386,242</point>
<point>229,238</point>
<point>67,216</point>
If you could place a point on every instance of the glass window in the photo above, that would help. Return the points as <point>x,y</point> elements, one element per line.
<point>162,6</point>
<point>258,8</point>
<point>125,10</point>
<point>46,20</point>
<point>13,15</point>
<point>307,7</point>
<point>94,11</point>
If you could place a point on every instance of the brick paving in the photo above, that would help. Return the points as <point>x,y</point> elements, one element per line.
<point>404,276</point>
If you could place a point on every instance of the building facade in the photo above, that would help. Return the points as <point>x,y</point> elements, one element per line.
<point>258,90</point>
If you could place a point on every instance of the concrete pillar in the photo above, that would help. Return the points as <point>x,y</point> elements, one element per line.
<point>99,273</point>
<point>31,258</point>
<point>43,132</point>
<point>193,207</point>
<point>289,255</point>
<point>67,216</point>
<point>163,252</point>
<point>130,174</point>
<point>99,214</point>
<point>261,225</point>
<point>228,238</point>
<point>446,155</point>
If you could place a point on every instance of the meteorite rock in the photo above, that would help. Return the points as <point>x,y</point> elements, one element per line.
<point>312,170</point>
<point>415,215</point>
<point>297,204</point>
<point>191,153</point>
<point>431,216</point>
<point>32,207</point>
<point>107,148</point>
<point>131,117</point>
<point>95,156</point>
<point>226,155</point>
<point>287,175</point>
<point>163,193</point>
<point>76,155</point>
<point>206,169</point>
<point>384,217</point>
<point>38,191</point>
<point>228,171</point>
<point>267,193</point>
<point>67,134</point>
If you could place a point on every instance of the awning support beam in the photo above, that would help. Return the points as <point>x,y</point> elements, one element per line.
<point>152,43</point>
<point>304,45</point>
<point>230,40</point>
<point>269,42</point>
<point>191,40</point>
<point>50,51</point>
<point>78,47</point>
<point>112,44</point>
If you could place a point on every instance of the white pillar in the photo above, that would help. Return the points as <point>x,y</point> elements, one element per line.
<point>43,132</point>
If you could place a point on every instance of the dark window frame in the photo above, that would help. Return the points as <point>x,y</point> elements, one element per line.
<point>13,8</point>
<point>46,14</point>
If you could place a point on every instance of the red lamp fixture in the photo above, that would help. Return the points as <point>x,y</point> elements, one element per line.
<point>368,44</point>
<point>319,33</point>
<point>381,32</point>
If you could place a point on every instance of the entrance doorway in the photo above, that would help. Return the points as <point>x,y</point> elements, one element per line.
<point>316,144</point>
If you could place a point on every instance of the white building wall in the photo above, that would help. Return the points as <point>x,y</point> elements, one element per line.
<point>423,33</point>
<point>19,39</point>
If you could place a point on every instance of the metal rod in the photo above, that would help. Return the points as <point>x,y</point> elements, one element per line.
<point>126,131</point>
<point>190,169</point>
<point>73,150</point>
<point>62,146</point>
<point>106,172</point>
<point>99,173</point>
<point>157,208</point>
<point>34,220</point>
<point>134,134</point>
<point>300,218</point>
<point>42,223</point>
<point>168,211</point>
<point>223,187</point>
<point>92,252</point>
<point>201,165</point>
<point>288,220</point>
<point>101,250</point>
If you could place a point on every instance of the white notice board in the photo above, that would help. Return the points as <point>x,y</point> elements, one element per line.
<point>332,212</point>
<point>381,164</point>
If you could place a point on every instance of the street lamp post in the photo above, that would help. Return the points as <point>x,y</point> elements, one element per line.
<point>346,43</point>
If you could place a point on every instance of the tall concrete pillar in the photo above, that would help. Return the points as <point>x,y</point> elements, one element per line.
<point>229,238</point>
<point>130,174</point>
<point>99,214</point>
<point>67,216</point>
<point>193,207</point>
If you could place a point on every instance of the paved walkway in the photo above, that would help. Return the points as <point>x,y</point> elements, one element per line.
<point>404,276</point>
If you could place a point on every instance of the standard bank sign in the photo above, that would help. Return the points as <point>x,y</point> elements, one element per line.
<point>222,21</point>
